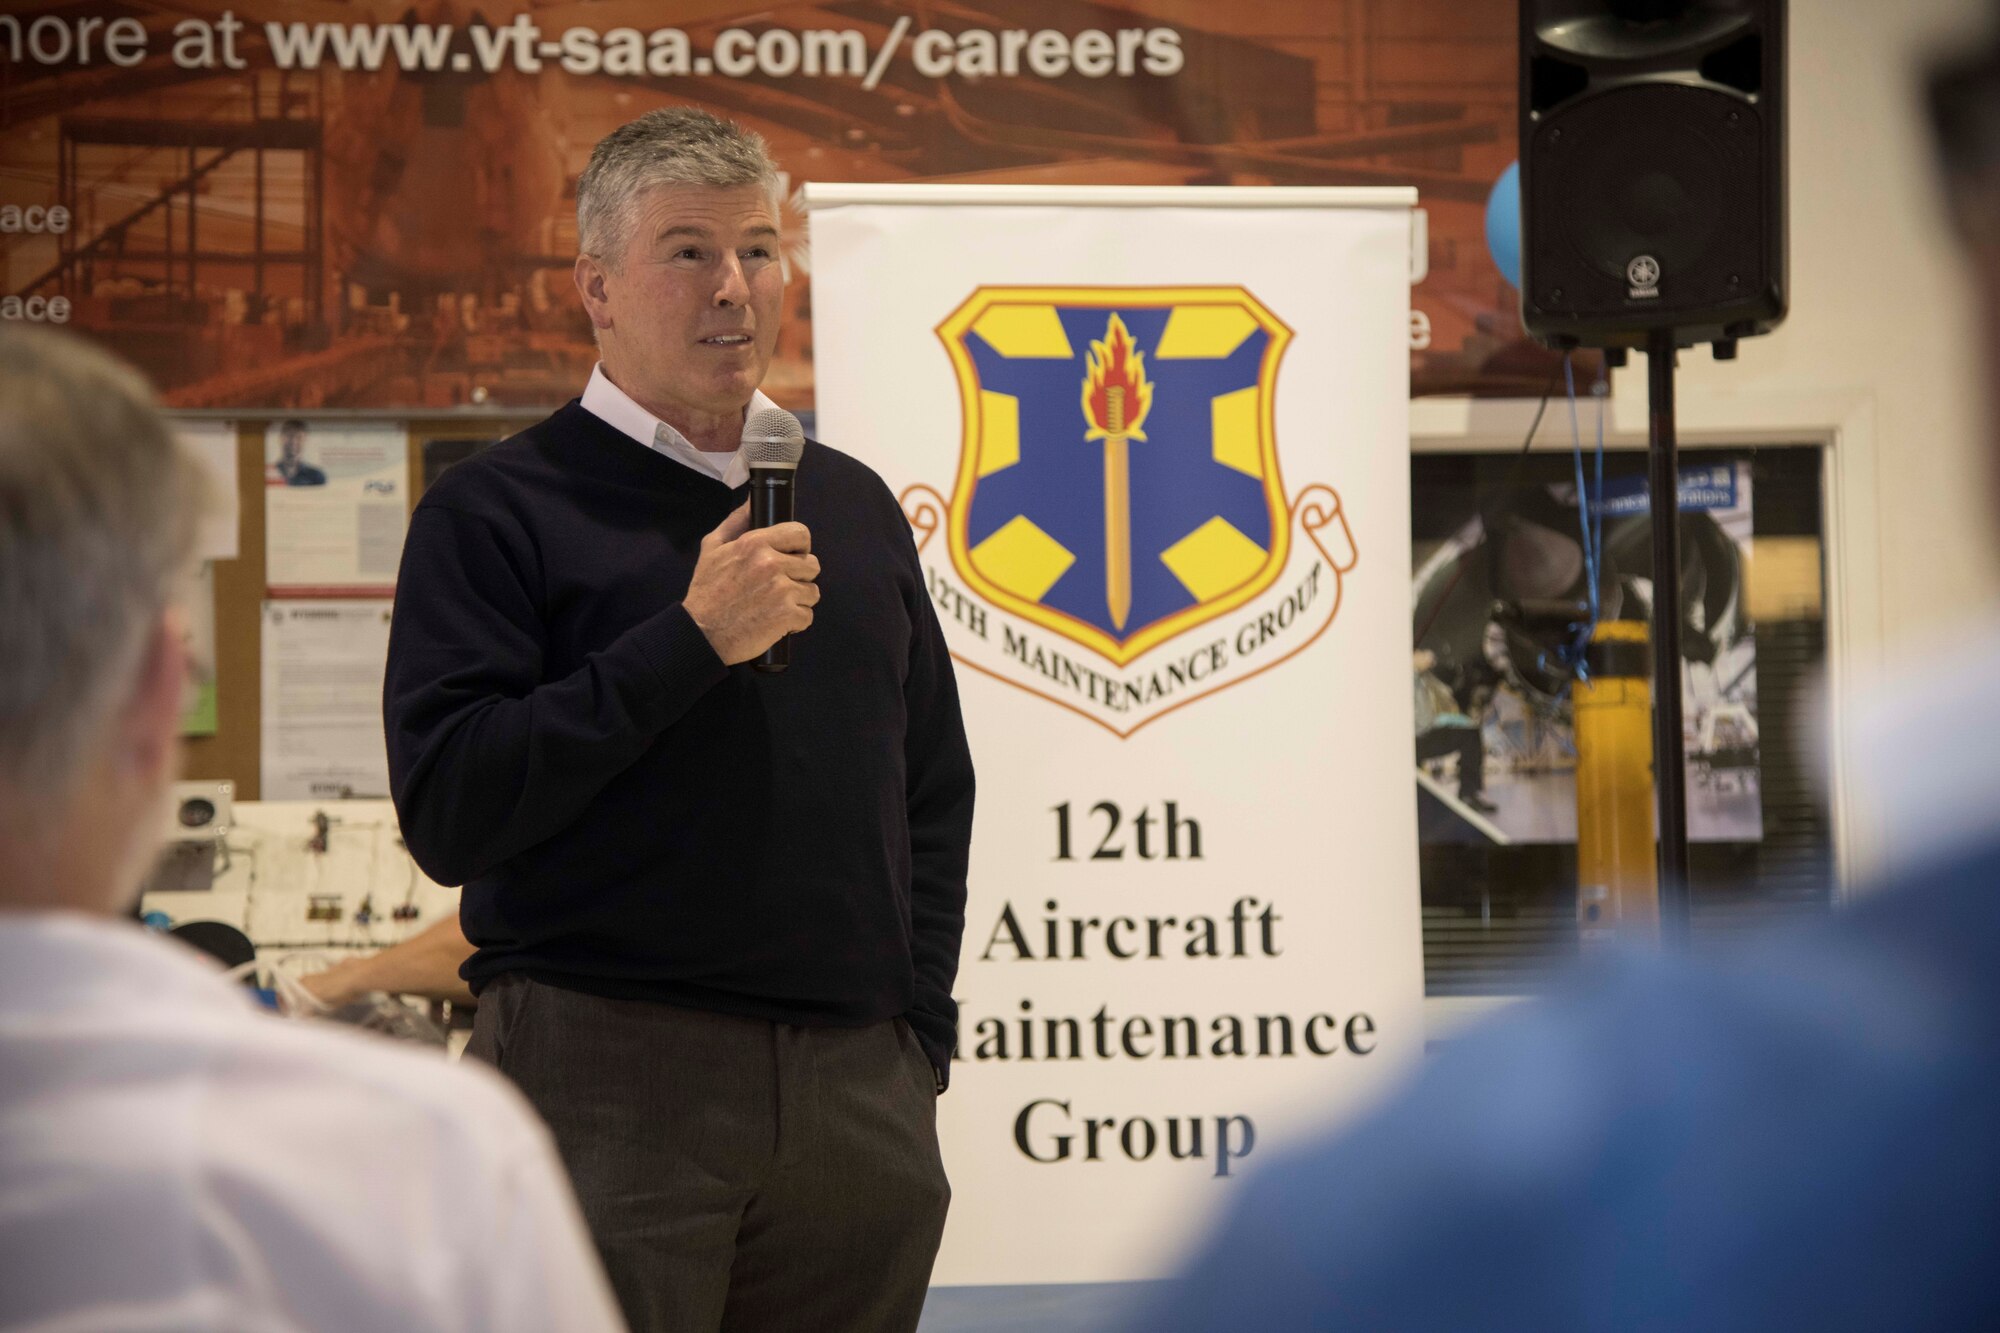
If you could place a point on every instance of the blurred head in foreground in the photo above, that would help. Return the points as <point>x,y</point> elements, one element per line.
<point>98,508</point>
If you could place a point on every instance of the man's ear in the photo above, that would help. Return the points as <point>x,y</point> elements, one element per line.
<point>590,284</point>
<point>158,701</point>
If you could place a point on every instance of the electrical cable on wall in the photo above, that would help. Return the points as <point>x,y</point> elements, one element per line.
<point>1590,525</point>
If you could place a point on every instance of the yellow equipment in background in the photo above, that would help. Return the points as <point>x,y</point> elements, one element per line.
<point>1617,876</point>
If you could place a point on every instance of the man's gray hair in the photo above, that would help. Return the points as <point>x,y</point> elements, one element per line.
<point>98,510</point>
<point>680,145</point>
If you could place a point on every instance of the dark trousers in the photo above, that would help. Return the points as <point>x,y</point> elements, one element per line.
<point>736,1174</point>
<point>1467,744</point>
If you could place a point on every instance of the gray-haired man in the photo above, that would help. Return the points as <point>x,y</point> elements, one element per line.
<point>169,1157</point>
<point>715,914</point>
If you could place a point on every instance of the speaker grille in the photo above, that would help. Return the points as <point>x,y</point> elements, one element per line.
<point>1647,179</point>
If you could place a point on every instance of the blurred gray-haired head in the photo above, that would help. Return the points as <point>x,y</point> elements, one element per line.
<point>772,437</point>
<point>98,510</point>
<point>680,145</point>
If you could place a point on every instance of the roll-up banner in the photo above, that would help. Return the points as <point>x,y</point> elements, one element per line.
<point>1152,445</point>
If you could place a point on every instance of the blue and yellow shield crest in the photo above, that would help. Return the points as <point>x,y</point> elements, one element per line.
<point>1118,482</point>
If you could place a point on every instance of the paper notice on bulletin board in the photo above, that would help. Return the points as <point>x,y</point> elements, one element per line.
<point>322,714</point>
<point>199,720</point>
<point>213,444</point>
<point>336,505</point>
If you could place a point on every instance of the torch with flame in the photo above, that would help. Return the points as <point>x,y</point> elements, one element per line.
<point>1116,397</point>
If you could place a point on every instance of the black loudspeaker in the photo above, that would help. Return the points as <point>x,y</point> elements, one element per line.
<point>1652,170</point>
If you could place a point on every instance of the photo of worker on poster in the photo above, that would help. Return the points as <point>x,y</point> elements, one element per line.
<point>336,505</point>
<point>1494,658</point>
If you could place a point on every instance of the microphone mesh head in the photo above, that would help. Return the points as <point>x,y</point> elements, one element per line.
<point>772,437</point>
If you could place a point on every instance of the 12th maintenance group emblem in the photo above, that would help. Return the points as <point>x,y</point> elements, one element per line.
<point>1118,492</point>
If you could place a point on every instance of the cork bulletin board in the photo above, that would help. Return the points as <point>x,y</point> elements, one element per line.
<point>233,752</point>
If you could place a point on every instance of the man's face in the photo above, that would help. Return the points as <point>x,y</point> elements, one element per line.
<point>291,444</point>
<point>693,309</point>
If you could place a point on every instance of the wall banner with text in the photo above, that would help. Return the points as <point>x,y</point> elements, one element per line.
<point>290,205</point>
<point>1153,449</point>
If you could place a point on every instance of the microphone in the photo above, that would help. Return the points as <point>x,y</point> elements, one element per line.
<point>773,441</point>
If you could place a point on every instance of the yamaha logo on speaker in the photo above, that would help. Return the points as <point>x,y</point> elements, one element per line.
<point>1644,275</point>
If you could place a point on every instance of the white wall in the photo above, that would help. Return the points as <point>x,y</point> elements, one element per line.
<point>1879,304</point>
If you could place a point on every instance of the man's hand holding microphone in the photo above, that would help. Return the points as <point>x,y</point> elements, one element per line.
<point>754,582</point>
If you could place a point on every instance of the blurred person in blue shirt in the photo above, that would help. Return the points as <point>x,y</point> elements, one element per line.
<point>1802,1134</point>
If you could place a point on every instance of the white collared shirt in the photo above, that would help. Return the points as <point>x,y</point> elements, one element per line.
<point>613,406</point>
<point>170,1158</point>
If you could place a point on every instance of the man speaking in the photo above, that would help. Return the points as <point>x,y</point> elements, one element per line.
<point>715,911</point>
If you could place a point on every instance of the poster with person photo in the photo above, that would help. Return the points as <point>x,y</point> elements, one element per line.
<point>1492,667</point>
<point>336,505</point>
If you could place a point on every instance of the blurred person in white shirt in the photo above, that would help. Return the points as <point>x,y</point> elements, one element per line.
<point>169,1156</point>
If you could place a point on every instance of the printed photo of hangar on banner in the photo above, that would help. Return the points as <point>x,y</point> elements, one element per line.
<point>370,204</point>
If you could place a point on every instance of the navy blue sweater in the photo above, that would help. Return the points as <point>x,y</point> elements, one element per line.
<point>628,816</point>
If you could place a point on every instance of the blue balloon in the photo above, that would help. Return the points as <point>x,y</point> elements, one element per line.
<point>1503,223</point>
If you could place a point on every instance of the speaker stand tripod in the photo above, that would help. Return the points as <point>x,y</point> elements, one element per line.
<point>1669,750</point>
